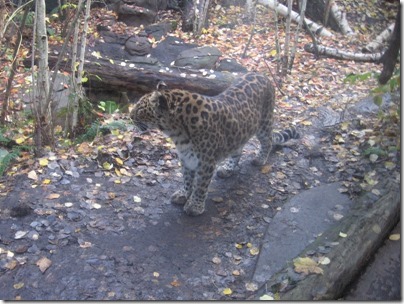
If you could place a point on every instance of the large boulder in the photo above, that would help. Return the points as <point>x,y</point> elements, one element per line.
<point>204,57</point>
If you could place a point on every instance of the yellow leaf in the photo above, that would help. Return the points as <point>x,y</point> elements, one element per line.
<point>117,181</point>
<point>43,162</point>
<point>119,161</point>
<point>20,140</point>
<point>239,246</point>
<point>394,237</point>
<point>96,54</point>
<point>107,166</point>
<point>306,265</point>
<point>272,53</point>
<point>306,123</point>
<point>343,235</point>
<point>156,274</point>
<point>46,181</point>
<point>254,251</point>
<point>112,62</point>
<point>137,199</point>
<point>227,291</point>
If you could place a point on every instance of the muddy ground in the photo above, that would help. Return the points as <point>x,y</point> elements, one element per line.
<point>84,236</point>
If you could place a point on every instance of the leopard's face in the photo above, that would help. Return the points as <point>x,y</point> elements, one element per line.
<point>148,112</point>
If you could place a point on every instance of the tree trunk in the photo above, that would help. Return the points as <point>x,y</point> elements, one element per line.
<point>43,123</point>
<point>299,26</point>
<point>335,53</point>
<point>3,14</point>
<point>201,13</point>
<point>389,58</point>
<point>283,10</point>
<point>380,40</point>
<point>143,78</point>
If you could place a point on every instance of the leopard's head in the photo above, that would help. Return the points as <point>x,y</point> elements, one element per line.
<point>150,111</point>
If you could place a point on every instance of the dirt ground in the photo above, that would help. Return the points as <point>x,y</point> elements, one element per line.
<point>84,236</point>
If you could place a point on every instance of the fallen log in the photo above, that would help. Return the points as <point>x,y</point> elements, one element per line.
<point>335,53</point>
<point>143,78</point>
<point>380,40</point>
<point>283,10</point>
<point>366,227</point>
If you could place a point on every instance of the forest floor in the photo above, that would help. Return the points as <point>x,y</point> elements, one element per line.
<point>93,220</point>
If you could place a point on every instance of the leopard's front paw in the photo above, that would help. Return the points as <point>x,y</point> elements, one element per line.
<point>224,172</point>
<point>194,209</point>
<point>258,162</point>
<point>179,197</point>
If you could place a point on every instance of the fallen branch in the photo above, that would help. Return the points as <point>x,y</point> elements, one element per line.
<point>283,10</point>
<point>380,40</point>
<point>335,53</point>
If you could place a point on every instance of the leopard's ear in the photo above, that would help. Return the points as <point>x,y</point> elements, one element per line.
<point>160,100</point>
<point>160,85</point>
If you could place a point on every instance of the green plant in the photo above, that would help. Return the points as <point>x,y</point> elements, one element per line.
<point>15,152</point>
<point>108,106</point>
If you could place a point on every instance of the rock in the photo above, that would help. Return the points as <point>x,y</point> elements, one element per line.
<point>133,15</point>
<point>138,46</point>
<point>204,57</point>
<point>158,30</point>
<point>230,65</point>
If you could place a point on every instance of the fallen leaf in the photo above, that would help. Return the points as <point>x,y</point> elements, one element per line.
<point>46,181</point>
<point>20,234</point>
<point>107,166</point>
<point>32,175</point>
<point>11,264</point>
<point>175,283</point>
<point>254,251</point>
<point>18,285</point>
<point>53,196</point>
<point>343,235</point>
<point>266,297</point>
<point>394,237</point>
<point>218,199</point>
<point>43,263</point>
<point>236,272</point>
<point>156,274</point>
<point>251,286</point>
<point>376,229</point>
<point>137,199</point>
<point>43,162</point>
<point>265,169</point>
<point>306,265</point>
<point>227,291</point>
<point>324,260</point>
<point>216,260</point>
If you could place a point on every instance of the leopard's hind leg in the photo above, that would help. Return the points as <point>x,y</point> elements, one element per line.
<point>230,165</point>
<point>264,136</point>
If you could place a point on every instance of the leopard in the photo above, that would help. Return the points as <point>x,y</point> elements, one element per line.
<point>209,132</point>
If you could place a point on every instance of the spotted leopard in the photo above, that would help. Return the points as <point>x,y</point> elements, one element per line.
<point>207,130</point>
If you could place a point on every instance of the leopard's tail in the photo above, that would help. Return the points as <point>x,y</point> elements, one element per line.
<point>279,137</point>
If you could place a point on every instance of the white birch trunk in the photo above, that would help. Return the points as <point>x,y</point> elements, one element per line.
<point>285,58</point>
<point>340,18</point>
<point>201,10</point>
<point>335,53</point>
<point>250,9</point>
<point>299,26</point>
<point>283,10</point>
<point>41,88</point>
<point>380,40</point>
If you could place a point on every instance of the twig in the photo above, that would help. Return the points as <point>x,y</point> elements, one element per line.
<point>273,76</point>
<point>251,35</point>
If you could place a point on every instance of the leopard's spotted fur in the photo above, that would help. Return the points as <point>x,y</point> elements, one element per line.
<point>206,130</point>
